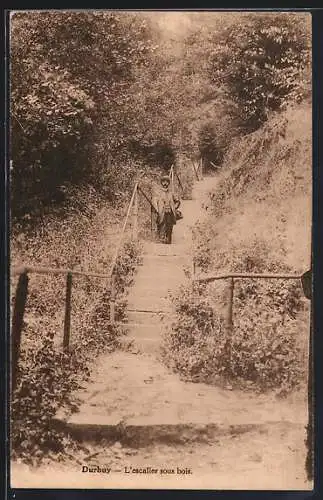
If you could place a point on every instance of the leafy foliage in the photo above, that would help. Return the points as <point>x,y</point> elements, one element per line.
<point>194,346</point>
<point>263,60</point>
<point>92,92</point>
<point>266,348</point>
<point>46,381</point>
<point>201,247</point>
<point>71,90</point>
<point>263,353</point>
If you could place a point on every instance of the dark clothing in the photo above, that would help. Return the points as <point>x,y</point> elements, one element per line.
<point>166,204</point>
<point>165,227</point>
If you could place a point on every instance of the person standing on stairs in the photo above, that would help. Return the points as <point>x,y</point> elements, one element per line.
<point>167,205</point>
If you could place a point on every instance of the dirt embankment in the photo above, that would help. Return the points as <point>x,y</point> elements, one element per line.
<point>263,202</point>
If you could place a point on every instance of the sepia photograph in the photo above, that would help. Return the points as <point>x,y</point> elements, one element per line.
<point>160,167</point>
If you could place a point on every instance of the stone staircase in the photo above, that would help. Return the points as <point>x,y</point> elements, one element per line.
<point>160,275</point>
<point>149,301</point>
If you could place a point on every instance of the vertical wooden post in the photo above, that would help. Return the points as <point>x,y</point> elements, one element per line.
<point>112,299</point>
<point>135,221</point>
<point>67,319</point>
<point>17,325</point>
<point>201,168</point>
<point>229,322</point>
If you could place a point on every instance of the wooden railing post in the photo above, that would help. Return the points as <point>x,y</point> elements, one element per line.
<point>17,324</point>
<point>67,319</point>
<point>229,323</point>
<point>112,299</point>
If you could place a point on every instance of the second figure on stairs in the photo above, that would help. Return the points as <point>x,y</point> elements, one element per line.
<point>167,205</point>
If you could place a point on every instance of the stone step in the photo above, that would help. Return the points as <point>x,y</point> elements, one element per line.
<point>148,331</point>
<point>166,258</point>
<point>147,316</point>
<point>131,325</point>
<point>148,302</point>
<point>176,248</point>
<point>150,291</point>
<point>167,263</point>
<point>154,275</point>
<point>146,345</point>
<point>172,271</point>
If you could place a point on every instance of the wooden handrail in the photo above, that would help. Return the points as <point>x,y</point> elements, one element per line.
<point>147,198</point>
<point>17,270</point>
<point>207,278</point>
<point>116,254</point>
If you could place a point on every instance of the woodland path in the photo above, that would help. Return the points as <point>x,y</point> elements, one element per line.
<point>135,411</point>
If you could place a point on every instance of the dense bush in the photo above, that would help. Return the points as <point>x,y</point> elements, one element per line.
<point>266,353</point>
<point>46,381</point>
<point>126,265</point>
<point>210,146</point>
<point>267,347</point>
<point>195,344</point>
<point>263,60</point>
<point>202,254</point>
<point>73,97</point>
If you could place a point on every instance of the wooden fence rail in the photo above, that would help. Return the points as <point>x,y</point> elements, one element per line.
<point>213,277</point>
<point>18,270</point>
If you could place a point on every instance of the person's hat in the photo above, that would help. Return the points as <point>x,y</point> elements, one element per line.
<point>165,178</point>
